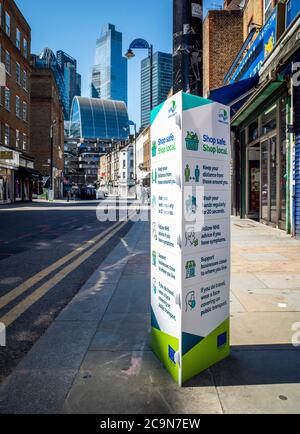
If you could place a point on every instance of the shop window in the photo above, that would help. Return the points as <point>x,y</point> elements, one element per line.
<point>269,120</point>
<point>283,159</point>
<point>253,131</point>
<point>264,180</point>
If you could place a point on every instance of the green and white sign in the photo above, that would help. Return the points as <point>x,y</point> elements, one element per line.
<point>190,234</point>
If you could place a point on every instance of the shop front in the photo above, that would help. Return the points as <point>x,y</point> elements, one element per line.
<point>262,165</point>
<point>9,162</point>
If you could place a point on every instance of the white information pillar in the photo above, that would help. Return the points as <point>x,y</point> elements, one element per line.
<point>190,234</point>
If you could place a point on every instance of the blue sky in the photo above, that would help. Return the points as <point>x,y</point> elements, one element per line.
<point>73,26</point>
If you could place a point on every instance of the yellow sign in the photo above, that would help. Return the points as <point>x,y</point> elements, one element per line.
<point>6,155</point>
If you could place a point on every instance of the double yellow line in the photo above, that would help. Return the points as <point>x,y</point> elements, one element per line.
<point>83,253</point>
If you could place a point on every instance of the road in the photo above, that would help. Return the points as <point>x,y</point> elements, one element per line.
<point>47,252</point>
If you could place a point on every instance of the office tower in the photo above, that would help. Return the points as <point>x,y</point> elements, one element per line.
<point>162,83</point>
<point>109,73</point>
<point>68,66</point>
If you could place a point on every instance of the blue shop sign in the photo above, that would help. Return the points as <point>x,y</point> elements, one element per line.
<point>292,10</point>
<point>258,52</point>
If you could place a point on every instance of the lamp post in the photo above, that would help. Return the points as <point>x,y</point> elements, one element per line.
<point>51,192</point>
<point>142,44</point>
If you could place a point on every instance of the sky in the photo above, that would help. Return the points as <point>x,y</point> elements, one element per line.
<point>74,25</point>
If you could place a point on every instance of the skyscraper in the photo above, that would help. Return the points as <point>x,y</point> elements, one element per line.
<point>162,83</point>
<point>109,74</point>
<point>72,79</point>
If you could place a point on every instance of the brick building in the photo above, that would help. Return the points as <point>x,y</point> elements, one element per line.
<point>46,109</point>
<point>222,39</point>
<point>18,179</point>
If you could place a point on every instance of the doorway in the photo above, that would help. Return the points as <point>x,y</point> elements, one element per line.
<point>269,211</point>
<point>254,182</point>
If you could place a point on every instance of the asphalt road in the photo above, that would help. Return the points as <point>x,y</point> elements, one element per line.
<point>46,255</point>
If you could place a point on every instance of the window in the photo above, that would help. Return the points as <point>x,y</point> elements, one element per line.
<point>25,80</point>
<point>7,23</point>
<point>24,111</point>
<point>18,106</point>
<point>7,62</point>
<point>269,120</point>
<point>268,8</point>
<point>25,47</point>
<point>24,142</point>
<point>7,98</point>
<point>18,38</point>
<point>17,138</point>
<point>18,73</point>
<point>253,131</point>
<point>7,135</point>
<point>124,164</point>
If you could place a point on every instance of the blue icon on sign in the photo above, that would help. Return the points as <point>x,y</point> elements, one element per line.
<point>172,355</point>
<point>222,340</point>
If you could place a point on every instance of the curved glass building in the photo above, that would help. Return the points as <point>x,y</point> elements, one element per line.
<point>93,118</point>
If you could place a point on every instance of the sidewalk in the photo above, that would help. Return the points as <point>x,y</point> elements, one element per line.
<point>96,358</point>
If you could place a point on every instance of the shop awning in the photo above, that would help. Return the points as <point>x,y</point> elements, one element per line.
<point>231,94</point>
<point>256,100</point>
<point>30,173</point>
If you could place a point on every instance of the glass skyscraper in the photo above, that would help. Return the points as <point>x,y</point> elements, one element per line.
<point>72,79</point>
<point>162,83</point>
<point>109,74</point>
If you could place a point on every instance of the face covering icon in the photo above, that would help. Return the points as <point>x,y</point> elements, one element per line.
<point>190,301</point>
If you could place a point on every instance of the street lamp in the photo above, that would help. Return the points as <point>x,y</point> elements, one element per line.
<point>142,44</point>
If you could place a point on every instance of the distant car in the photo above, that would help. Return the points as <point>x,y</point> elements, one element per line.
<point>88,193</point>
<point>100,195</point>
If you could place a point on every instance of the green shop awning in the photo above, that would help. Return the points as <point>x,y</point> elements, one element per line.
<point>257,99</point>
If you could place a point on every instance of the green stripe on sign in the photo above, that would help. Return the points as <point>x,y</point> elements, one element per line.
<point>191,101</point>
<point>206,353</point>
<point>160,344</point>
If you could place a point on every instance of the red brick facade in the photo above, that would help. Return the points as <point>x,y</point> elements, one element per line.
<point>15,41</point>
<point>223,37</point>
<point>46,108</point>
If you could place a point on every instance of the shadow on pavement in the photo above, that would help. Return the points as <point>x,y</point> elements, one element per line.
<point>255,365</point>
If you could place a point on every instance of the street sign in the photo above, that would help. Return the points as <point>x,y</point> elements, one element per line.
<point>190,234</point>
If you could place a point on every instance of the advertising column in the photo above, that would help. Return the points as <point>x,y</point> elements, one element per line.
<point>190,234</point>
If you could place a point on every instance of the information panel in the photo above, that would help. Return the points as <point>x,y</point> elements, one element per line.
<point>190,234</point>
